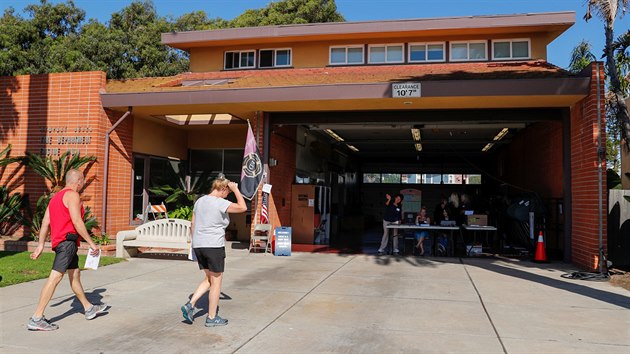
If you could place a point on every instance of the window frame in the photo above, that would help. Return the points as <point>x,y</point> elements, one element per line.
<point>426,55</point>
<point>386,46</point>
<point>274,57</point>
<point>511,41</point>
<point>240,52</point>
<point>346,47</point>
<point>468,43</point>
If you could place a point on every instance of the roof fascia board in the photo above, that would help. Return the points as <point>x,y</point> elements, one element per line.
<point>453,88</point>
<point>188,39</point>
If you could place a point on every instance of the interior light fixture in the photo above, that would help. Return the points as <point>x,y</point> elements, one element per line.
<point>500,134</point>
<point>333,134</point>
<point>415,132</point>
<point>418,147</point>
<point>487,147</point>
<point>352,147</point>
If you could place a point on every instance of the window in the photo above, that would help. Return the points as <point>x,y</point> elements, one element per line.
<point>467,51</point>
<point>380,53</point>
<point>240,59</point>
<point>510,49</point>
<point>371,178</point>
<point>411,178</point>
<point>346,55</point>
<point>424,52</point>
<point>390,178</point>
<point>269,58</point>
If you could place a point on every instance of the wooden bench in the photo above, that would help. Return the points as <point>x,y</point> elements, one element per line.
<point>163,233</point>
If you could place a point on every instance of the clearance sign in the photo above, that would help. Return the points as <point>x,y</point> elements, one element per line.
<point>407,89</point>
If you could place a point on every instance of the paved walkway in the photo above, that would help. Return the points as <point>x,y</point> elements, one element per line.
<point>331,303</point>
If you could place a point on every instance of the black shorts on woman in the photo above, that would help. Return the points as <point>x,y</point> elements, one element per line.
<point>211,258</point>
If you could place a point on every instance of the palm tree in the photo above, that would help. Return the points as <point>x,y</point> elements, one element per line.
<point>13,206</point>
<point>581,57</point>
<point>54,170</point>
<point>608,11</point>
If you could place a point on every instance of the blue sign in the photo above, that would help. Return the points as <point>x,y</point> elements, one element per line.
<point>283,241</point>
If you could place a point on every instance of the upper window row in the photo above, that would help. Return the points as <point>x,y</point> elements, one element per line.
<point>430,52</point>
<point>387,53</point>
<point>267,58</point>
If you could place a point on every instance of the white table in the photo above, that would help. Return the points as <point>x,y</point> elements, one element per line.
<point>450,230</point>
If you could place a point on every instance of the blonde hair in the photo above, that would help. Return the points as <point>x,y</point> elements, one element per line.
<point>220,183</point>
<point>454,199</point>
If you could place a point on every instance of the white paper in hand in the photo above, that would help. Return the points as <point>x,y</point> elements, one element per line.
<point>91,262</point>
<point>192,255</point>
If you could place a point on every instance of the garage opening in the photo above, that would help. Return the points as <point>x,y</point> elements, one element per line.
<point>347,162</point>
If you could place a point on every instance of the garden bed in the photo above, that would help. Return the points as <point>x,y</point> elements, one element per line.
<point>30,246</point>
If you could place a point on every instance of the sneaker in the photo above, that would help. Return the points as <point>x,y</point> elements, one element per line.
<point>380,253</point>
<point>41,325</point>
<point>396,252</point>
<point>216,321</point>
<point>188,311</point>
<point>95,310</point>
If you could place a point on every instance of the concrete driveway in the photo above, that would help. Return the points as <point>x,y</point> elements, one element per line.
<point>330,303</point>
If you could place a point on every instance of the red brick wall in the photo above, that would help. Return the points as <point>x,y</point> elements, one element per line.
<point>584,179</point>
<point>533,160</point>
<point>38,113</point>
<point>282,148</point>
<point>119,186</point>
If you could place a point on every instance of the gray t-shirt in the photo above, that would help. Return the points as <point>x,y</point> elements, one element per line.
<point>211,219</point>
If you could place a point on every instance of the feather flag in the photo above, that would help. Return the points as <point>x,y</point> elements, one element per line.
<point>252,170</point>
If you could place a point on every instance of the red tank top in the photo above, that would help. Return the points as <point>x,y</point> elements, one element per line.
<point>60,221</point>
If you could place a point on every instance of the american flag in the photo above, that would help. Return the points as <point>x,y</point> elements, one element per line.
<point>264,213</point>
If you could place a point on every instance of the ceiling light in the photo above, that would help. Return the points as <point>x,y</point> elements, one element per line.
<point>415,132</point>
<point>487,147</point>
<point>333,134</point>
<point>418,147</point>
<point>351,147</point>
<point>500,134</point>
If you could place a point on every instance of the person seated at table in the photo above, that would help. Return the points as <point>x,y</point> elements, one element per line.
<point>392,215</point>
<point>440,209</point>
<point>421,219</point>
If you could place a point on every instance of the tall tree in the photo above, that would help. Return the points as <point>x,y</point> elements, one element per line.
<point>581,57</point>
<point>608,10</point>
<point>290,12</point>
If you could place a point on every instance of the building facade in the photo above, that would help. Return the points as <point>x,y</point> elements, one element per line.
<point>467,105</point>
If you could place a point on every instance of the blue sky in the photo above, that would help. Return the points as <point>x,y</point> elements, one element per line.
<point>365,10</point>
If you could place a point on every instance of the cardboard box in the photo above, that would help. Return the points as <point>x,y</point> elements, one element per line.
<point>477,220</point>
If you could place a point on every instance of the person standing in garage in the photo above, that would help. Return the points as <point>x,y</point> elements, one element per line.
<point>393,215</point>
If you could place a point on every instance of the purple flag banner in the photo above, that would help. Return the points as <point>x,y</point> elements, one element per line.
<point>252,170</point>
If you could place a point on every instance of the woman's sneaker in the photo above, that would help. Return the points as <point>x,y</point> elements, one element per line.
<point>216,321</point>
<point>95,310</point>
<point>41,324</point>
<point>188,311</point>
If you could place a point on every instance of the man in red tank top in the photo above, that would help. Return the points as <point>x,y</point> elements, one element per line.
<point>64,216</point>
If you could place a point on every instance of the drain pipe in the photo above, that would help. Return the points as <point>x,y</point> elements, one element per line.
<point>106,168</point>
<point>600,153</point>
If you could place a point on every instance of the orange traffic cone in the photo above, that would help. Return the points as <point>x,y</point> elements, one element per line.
<point>540,256</point>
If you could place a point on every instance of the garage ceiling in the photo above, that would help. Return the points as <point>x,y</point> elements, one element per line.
<point>388,136</point>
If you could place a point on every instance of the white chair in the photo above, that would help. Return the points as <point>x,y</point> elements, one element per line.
<point>260,238</point>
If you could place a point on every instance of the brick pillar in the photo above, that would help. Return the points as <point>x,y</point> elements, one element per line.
<point>585,191</point>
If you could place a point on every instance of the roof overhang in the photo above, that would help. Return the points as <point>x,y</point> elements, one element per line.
<point>451,94</point>
<point>553,23</point>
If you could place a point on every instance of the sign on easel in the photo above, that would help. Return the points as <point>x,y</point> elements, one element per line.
<point>283,241</point>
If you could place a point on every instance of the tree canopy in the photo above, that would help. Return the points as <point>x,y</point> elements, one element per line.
<point>57,37</point>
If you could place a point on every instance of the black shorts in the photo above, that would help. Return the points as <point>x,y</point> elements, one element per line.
<point>212,259</point>
<point>66,256</point>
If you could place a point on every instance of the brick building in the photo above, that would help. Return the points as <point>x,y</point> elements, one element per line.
<point>467,105</point>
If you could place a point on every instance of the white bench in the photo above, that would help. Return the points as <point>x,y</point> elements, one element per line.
<point>163,233</point>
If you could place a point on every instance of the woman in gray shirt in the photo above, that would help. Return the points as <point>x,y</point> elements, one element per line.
<point>210,218</point>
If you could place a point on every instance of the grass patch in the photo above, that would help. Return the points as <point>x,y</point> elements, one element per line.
<point>18,267</point>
